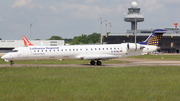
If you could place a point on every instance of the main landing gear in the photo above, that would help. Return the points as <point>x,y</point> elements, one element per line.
<point>11,63</point>
<point>93,62</point>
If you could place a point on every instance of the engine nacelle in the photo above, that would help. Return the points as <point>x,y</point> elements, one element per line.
<point>133,46</point>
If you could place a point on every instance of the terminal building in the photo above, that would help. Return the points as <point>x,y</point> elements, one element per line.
<point>169,43</point>
<point>8,45</point>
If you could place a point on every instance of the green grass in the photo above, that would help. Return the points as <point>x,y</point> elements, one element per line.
<point>55,61</point>
<point>155,83</point>
<point>165,57</point>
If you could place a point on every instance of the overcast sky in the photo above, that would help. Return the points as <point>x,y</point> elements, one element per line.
<point>68,18</point>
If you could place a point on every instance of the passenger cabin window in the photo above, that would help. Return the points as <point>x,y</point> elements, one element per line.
<point>86,49</point>
<point>73,49</point>
<point>50,50</point>
<point>114,48</point>
<point>61,49</point>
<point>41,50</point>
<point>103,48</point>
<point>95,48</point>
<point>38,51</point>
<point>34,50</point>
<point>110,48</point>
<point>14,51</point>
<point>65,49</point>
<point>81,49</point>
<point>106,48</point>
<point>69,49</point>
<point>76,49</point>
<point>99,48</point>
<point>46,50</point>
<point>91,49</point>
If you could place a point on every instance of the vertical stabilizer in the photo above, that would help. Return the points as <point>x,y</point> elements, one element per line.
<point>26,42</point>
<point>154,38</point>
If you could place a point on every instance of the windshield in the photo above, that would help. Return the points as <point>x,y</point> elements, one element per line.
<point>14,51</point>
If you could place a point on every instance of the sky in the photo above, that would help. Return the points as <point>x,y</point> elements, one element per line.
<point>70,18</point>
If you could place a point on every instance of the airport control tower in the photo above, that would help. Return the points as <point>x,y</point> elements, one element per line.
<point>134,14</point>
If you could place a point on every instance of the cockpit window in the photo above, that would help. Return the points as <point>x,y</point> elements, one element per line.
<point>14,51</point>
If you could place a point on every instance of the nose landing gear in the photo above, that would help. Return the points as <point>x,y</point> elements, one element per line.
<point>11,63</point>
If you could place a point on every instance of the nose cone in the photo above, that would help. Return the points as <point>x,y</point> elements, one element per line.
<point>4,56</point>
<point>158,48</point>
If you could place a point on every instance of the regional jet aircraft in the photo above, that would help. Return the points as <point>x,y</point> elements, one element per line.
<point>95,53</point>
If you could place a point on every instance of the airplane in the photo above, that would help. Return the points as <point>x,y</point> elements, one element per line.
<point>95,53</point>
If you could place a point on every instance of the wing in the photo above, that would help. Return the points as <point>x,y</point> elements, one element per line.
<point>98,57</point>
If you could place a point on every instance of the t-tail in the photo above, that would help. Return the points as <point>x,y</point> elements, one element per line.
<point>154,38</point>
<point>26,42</point>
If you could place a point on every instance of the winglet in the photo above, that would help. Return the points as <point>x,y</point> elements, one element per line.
<point>26,42</point>
<point>154,38</point>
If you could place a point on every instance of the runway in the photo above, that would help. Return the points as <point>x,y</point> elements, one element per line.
<point>132,62</point>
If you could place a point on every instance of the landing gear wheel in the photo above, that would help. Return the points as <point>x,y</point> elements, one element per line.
<point>99,63</point>
<point>11,63</point>
<point>92,62</point>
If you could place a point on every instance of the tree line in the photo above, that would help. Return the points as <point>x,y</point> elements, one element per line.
<point>83,39</point>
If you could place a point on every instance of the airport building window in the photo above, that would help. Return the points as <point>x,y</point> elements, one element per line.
<point>53,42</point>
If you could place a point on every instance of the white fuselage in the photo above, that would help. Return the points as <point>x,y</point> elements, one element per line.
<point>89,52</point>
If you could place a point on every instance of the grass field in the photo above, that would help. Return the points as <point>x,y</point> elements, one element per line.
<point>155,83</point>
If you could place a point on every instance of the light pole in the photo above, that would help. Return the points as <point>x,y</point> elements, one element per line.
<point>30,31</point>
<point>135,34</point>
<point>135,30</point>
<point>110,26</point>
<point>106,26</point>
<point>101,29</point>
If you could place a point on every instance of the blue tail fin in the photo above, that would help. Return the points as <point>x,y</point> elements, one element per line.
<point>154,38</point>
